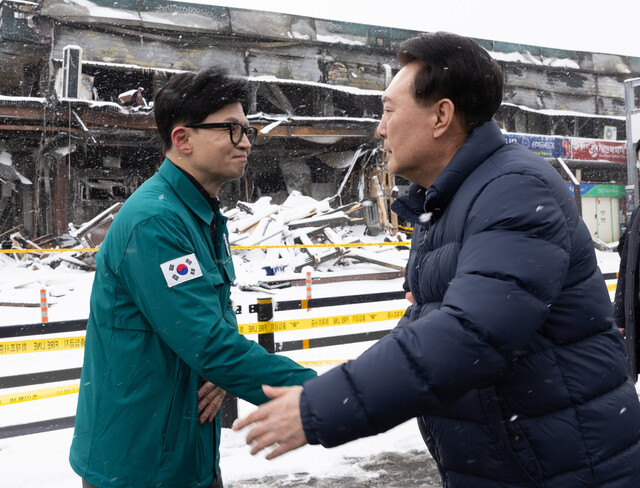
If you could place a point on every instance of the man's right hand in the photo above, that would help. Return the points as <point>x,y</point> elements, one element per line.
<point>209,401</point>
<point>277,423</point>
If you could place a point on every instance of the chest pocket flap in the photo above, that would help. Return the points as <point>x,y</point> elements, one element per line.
<point>229,269</point>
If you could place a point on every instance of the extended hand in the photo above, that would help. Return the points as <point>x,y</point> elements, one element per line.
<point>209,401</point>
<point>278,421</point>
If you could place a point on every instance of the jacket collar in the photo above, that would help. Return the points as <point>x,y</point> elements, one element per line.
<point>416,201</point>
<point>213,202</point>
<point>186,191</point>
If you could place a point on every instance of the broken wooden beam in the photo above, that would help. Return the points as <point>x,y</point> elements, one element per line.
<point>312,251</point>
<point>331,220</point>
<point>96,221</point>
<point>243,225</point>
<point>387,275</point>
<point>323,258</point>
<point>20,242</point>
<point>375,259</point>
<point>12,230</point>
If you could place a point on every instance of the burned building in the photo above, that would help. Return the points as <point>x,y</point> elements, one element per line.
<point>78,78</point>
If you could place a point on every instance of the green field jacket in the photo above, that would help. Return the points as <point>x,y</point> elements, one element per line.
<point>161,321</point>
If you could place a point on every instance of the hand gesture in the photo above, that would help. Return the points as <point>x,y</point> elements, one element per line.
<point>278,422</point>
<point>209,401</point>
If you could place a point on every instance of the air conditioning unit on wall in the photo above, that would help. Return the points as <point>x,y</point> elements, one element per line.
<point>72,71</point>
<point>610,133</point>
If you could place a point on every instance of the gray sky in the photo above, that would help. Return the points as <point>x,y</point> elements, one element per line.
<point>608,26</point>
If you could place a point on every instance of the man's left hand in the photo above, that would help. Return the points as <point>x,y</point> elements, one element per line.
<point>209,401</point>
<point>278,422</point>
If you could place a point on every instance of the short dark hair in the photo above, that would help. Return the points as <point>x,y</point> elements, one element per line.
<point>457,68</point>
<point>189,98</point>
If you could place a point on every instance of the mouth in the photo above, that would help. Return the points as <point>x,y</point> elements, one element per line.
<point>242,157</point>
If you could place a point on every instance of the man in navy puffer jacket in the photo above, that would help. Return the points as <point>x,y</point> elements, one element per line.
<point>508,355</point>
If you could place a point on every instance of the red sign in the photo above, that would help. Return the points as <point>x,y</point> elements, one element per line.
<point>598,150</point>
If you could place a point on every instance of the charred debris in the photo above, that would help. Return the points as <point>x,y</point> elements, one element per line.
<point>78,78</point>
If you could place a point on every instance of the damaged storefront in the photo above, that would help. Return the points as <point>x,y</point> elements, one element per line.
<point>78,78</point>
<point>92,154</point>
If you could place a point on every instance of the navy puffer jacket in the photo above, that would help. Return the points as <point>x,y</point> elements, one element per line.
<point>508,355</point>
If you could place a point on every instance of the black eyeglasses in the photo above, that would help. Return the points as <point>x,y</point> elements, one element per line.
<point>235,130</point>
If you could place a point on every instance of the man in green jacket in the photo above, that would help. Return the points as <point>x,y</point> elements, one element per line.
<point>162,331</point>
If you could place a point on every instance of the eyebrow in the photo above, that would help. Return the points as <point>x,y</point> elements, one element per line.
<point>237,121</point>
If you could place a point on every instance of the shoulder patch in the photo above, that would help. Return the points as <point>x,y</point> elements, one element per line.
<point>181,269</point>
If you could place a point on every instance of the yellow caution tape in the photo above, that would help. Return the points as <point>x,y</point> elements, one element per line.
<point>27,396</point>
<point>612,287</point>
<point>285,325</point>
<point>67,343</point>
<point>56,391</point>
<point>304,246</point>
<point>327,362</point>
<point>41,345</point>
<point>282,246</point>
<point>36,251</point>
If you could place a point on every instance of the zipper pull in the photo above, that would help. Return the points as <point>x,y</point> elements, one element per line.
<point>426,233</point>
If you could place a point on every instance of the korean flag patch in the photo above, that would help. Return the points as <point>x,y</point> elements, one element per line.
<point>181,269</point>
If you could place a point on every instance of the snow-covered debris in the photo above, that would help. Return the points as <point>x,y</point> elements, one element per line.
<point>8,173</point>
<point>313,230</point>
<point>527,58</point>
<point>133,97</point>
<point>87,236</point>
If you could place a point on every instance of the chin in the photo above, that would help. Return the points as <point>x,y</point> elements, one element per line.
<point>393,168</point>
<point>239,175</point>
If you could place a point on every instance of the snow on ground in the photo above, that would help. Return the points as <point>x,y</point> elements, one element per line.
<point>41,459</point>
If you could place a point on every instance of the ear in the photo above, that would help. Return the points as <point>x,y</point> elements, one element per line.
<point>445,112</point>
<point>181,141</point>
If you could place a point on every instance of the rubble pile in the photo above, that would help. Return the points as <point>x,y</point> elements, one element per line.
<point>301,221</point>
<point>84,238</point>
<point>253,227</point>
<point>72,259</point>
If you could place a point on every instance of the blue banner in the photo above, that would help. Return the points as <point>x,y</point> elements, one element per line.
<point>545,146</point>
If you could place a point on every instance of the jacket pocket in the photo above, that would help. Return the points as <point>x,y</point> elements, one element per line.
<point>502,439</point>
<point>139,325</point>
<point>127,316</point>
<point>174,423</point>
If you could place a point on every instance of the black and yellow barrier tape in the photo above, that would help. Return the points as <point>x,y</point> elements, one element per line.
<point>41,394</point>
<point>77,342</point>
<point>56,391</point>
<point>313,323</point>
<point>41,345</point>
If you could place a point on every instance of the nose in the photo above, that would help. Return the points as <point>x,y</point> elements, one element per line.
<point>382,128</point>
<point>244,142</point>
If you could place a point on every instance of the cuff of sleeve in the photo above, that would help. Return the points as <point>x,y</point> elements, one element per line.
<point>307,420</point>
